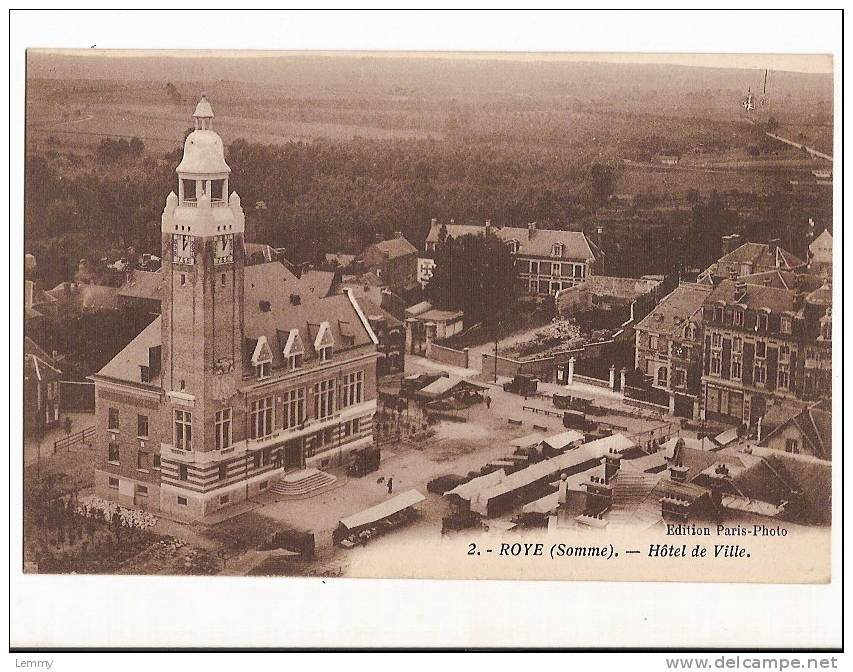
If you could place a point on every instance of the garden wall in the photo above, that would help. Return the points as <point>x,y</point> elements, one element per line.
<point>445,355</point>
<point>543,369</point>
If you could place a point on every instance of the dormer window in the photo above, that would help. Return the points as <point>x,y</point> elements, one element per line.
<point>293,350</point>
<point>737,317</point>
<point>262,359</point>
<point>557,250</point>
<point>761,323</point>
<point>785,324</point>
<point>513,246</point>
<point>324,342</point>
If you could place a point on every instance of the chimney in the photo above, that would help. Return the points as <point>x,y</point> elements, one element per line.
<point>531,230</point>
<point>433,222</point>
<point>678,472</point>
<point>488,225</point>
<point>773,244</point>
<point>612,462</point>
<point>379,237</point>
<point>452,221</point>
<point>398,234</point>
<point>740,291</point>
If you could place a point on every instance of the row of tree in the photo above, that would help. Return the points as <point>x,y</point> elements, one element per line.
<point>317,197</point>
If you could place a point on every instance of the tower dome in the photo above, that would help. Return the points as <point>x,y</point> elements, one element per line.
<point>204,153</point>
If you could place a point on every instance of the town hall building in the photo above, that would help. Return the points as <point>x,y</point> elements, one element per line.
<point>239,385</point>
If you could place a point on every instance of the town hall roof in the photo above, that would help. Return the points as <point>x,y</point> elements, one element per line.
<point>269,311</point>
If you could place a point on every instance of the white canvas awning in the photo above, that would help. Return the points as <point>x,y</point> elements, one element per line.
<point>383,510</point>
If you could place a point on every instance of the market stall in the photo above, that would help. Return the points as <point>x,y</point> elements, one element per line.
<point>377,520</point>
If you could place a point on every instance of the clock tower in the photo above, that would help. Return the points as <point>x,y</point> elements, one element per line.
<point>202,305</point>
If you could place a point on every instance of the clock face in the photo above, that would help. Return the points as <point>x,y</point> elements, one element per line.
<point>223,250</point>
<point>183,249</point>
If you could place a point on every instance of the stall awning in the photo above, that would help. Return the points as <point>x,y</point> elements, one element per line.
<point>383,510</point>
<point>727,437</point>
<point>445,387</point>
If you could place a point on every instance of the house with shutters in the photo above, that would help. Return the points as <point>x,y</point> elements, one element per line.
<point>668,347</point>
<point>762,345</point>
<point>242,384</point>
<point>548,260</point>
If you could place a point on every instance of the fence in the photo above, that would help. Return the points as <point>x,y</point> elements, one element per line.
<point>76,397</point>
<point>648,395</point>
<point>445,355</point>
<point>72,440</point>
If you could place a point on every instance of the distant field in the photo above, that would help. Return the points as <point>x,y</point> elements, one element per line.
<point>818,137</point>
<point>667,181</point>
<point>161,127</point>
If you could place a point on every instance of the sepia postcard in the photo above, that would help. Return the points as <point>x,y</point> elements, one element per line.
<point>396,315</point>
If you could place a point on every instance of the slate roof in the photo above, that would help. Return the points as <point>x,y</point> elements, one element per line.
<point>761,255</point>
<point>395,247</point>
<point>265,285</point>
<point>369,308</point>
<point>821,248</point>
<point>125,365</point>
<point>814,423</point>
<point>317,283</point>
<point>676,308</point>
<point>143,285</point>
<point>775,278</point>
<point>576,245</point>
<point>756,296</point>
<point>37,363</point>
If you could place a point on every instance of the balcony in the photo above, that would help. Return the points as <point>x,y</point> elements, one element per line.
<point>214,203</point>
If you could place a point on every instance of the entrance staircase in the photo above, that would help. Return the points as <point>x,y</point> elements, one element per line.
<point>303,483</point>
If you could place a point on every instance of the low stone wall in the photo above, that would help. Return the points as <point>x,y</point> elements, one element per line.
<point>587,380</point>
<point>543,369</point>
<point>445,355</point>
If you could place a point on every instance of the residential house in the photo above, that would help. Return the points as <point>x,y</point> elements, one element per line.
<point>548,260</point>
<point>394,262</point>
<point>391,334</point>
<point>797,429</point>
<point>820,255</point>
<point>763,345</point>
<point>668,346</point>
<point>41,389</point>
<point>739,260</point>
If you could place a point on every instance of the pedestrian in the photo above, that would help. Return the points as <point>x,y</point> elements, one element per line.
<point>67,425</point>
<point>488,401</point>
<point>390,484</point>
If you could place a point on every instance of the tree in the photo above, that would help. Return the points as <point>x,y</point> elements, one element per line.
<point>475,274</point>
<point>602,180</point>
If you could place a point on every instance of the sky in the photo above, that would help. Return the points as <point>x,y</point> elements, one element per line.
<point>807,63</point>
